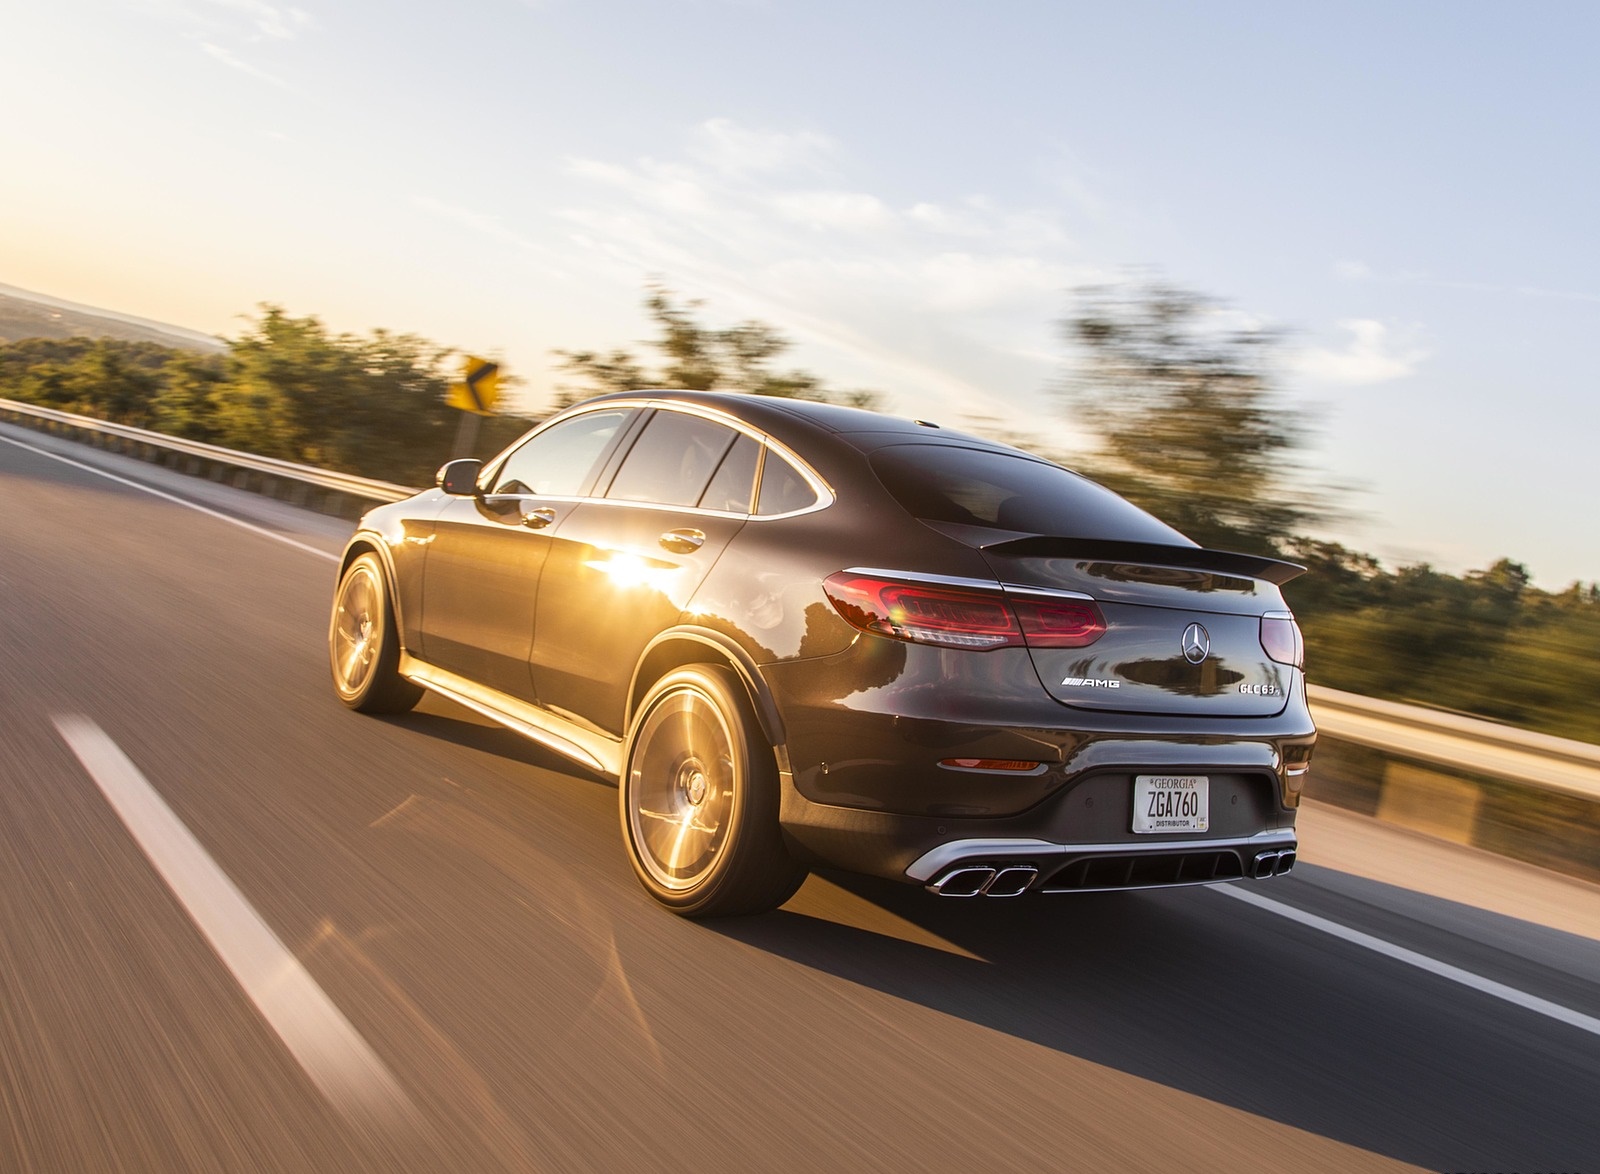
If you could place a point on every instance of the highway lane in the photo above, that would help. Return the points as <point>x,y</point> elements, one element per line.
<point>461,897</point>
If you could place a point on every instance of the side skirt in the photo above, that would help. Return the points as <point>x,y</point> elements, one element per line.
<point>593,750</point>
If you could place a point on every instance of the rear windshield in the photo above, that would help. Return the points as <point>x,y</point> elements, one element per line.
<point>975,487</point>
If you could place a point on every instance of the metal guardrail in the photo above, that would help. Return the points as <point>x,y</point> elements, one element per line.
<point>1469,745</point>
<point>122,437</point>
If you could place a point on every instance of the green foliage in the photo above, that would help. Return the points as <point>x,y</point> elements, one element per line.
<point>1185,422</point>
<point>1486,643</point>
<point>285,388</point>
<point>292,390</point>
<point>697,358</point>
<point>1183,417</point>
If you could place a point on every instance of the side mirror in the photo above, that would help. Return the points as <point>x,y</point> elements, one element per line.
<point>460,478</point>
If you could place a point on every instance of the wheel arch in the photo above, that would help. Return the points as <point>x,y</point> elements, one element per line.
<point>686,645</point>
<point>367,542</point>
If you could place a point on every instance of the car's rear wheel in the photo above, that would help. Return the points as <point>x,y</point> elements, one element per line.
<point>364,644</point>
<point>699,800</point>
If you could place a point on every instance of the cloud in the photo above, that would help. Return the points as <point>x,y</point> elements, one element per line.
<point>726,147</point>
<point>1374,354</point>
<point>952,298</point>
<point>851,211</point>
<point>269,20</point>
<point>968,282</point>
<point>220,54</point>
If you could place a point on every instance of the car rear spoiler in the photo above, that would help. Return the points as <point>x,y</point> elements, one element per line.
<point>1192,558</point>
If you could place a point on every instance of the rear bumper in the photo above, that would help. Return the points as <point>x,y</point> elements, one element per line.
<point>1078,839</point>
<point>1011,867</point>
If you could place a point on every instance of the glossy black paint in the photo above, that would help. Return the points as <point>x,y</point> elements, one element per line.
<point>578,610</point>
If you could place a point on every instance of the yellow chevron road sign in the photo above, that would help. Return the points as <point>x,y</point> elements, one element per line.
<point>479,389</point>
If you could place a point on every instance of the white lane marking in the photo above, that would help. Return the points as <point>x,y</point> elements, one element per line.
<point>334,1055</point>
<point>150,489</point>
<point>1421,961</point>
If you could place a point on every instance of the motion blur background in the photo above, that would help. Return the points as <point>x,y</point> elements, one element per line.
<point>908,191</point>
<point>1315,282</point>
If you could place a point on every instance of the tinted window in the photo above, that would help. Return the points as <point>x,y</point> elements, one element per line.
<point>559,460</point>
<point>672,460</point>
<point>783,489</point>
<point>978,488</point>
<point>735,478</point>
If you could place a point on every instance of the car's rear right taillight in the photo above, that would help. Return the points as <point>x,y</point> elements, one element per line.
<point>1281,639</point>
<point>952,617</point>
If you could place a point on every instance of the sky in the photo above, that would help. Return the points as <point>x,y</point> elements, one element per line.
<point>909,191</point>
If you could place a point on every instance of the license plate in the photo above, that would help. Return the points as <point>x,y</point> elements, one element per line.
<point>1171,803</point>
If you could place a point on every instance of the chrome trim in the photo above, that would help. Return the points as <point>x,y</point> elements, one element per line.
<point>597,751</point>
<point>920,577</point>
<point>1273,863</point>
<point>969,584</point>
<point>994,882</point>
<point>1046,592</point>
<point>944,882</point>
<point>935,860</point>
<point>825,494</point>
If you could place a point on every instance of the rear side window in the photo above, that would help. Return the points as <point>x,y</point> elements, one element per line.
<point>974,487</point>
<point>672,461</point>
<point>559,460</point>
<point>783,489</point>
<point>732,484</point>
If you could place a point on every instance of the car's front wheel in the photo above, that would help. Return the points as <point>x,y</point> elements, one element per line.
<point>364,644</point>
<point>699,800</point>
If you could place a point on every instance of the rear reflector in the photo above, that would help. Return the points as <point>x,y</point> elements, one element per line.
<point>1016,764</point>
<point>952,618</point>
<point>1281,639</point>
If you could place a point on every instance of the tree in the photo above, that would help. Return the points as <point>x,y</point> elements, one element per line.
<point>372,405</point>
<point>1183,416</point>
<point>698,358</point>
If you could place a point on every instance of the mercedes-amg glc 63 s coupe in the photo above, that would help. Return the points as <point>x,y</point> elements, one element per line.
<point>798,634</point>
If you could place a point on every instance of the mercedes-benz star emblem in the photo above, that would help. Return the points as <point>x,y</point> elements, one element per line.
<point>1196,644</point>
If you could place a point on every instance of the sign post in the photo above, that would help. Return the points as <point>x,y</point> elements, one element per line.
<point>475,396</point>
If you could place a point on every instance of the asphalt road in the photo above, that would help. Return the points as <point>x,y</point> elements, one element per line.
<point>498,993</point>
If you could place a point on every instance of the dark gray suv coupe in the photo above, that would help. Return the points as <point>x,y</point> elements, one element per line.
<point>801,634</point>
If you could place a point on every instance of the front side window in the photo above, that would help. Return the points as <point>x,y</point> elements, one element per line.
<point>559,461</point>
<point>672,461</point>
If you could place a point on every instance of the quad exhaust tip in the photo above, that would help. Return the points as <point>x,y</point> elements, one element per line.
<point>982,880</point>
<point>1273,863</point>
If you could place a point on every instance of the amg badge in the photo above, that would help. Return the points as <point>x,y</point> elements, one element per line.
<point>1093,682</point>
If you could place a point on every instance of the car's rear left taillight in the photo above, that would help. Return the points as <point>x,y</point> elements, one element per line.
<point>1281,639</point>
<point>954,618</point>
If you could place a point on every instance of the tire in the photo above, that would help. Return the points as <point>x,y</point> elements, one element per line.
<point>699,800</point>
<point>364,644</point>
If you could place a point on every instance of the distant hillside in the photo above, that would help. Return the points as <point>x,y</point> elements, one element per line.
<point>29,315</point>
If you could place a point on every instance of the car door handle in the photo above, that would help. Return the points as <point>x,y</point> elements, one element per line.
<point>538,519</point>
<point>683,541</point>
